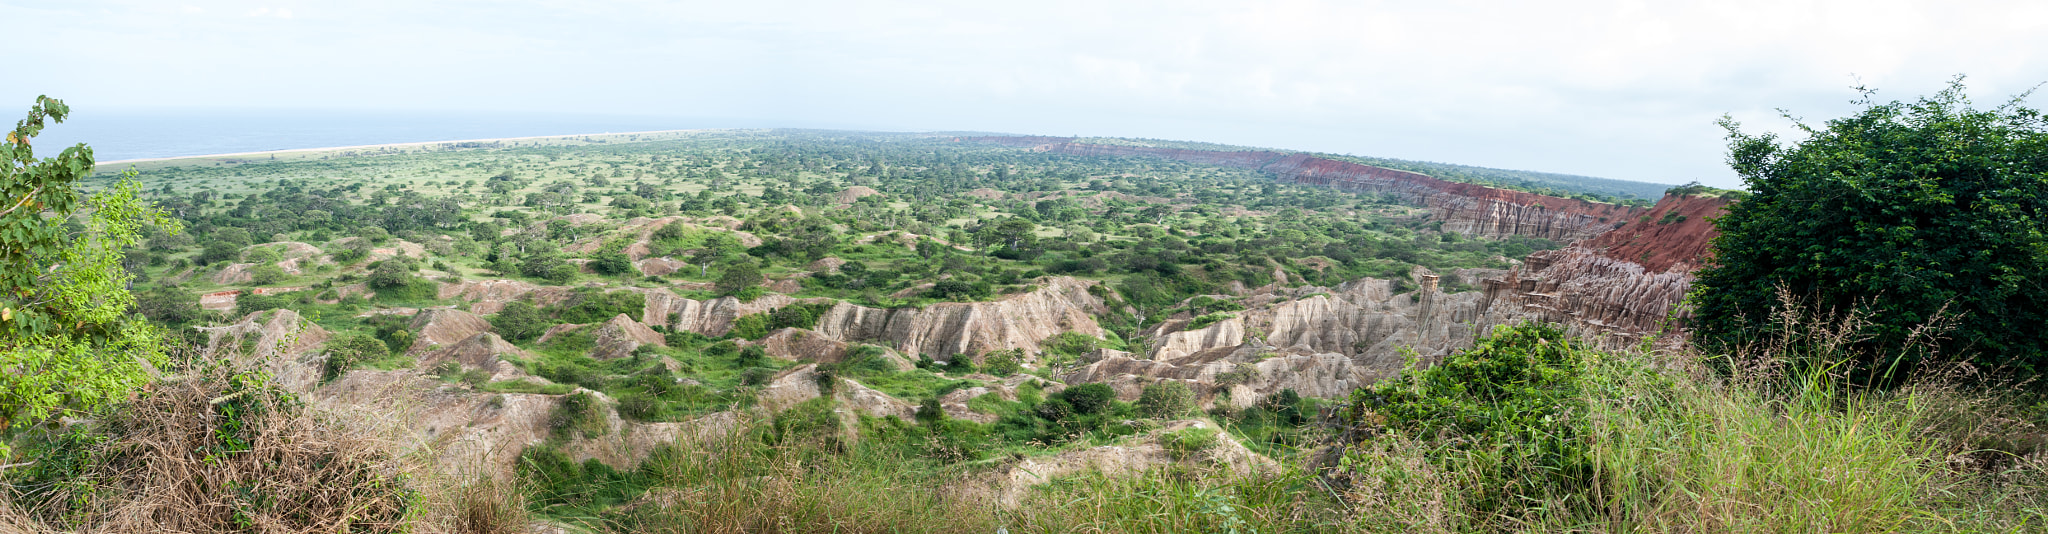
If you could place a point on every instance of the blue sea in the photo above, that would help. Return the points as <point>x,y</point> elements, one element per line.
<point>138,134</point>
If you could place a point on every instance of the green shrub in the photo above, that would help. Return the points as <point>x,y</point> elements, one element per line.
<point>1208,319</point>
<point>266,274</point>
<point>1003,362</point>
<point>1905,213</point>
<point>248,303</point>
<point>1089,398</point>
<point>612,264</point>
<point>1507,409</point>
<point>520,321</point>
<point>350,351</point>
<point>1166,399</point>
<point>752,326</point>
<point>576,414</point>
<point>1188,443</point>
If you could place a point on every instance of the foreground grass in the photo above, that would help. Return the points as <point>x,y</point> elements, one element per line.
<point>1673,448</point>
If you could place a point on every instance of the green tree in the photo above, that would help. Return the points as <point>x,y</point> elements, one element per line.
<point>391,273</point>
<point>739,276</point>
<point>520,321</point>
<point>168,305</point>
<point>1900,211</point>
<point>267,274</point>
<point>67,342</point>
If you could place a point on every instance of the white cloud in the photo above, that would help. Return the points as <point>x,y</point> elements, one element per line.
<point>1618,88</point>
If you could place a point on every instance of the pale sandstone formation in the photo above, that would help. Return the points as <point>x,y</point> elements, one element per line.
<point>800,384</point>
<point>709,317</point>
<point>945,329</point>
<point>287,345</point>
<point>556,331</point>
<point>851,194</point>
<point>825,265</point>
<point>482,351</point>
<point>659,266</point>
<point>490,296</point>
<point>620,336</point>
<point>234,274</point>
<point>460,431</point>
<point>437,327</point>
<point>399,247</point>
<point>1593,294</point>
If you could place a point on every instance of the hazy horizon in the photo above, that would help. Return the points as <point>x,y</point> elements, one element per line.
<point>1612,89</point>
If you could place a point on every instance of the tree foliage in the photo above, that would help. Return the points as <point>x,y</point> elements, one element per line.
<point>67,342</point>
<point>1901,211</point>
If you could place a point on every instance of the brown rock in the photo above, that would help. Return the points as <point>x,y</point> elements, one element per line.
<point>942,330</point>
<point>620,336</point>
<point>851,194</point>
<point>442,326</point>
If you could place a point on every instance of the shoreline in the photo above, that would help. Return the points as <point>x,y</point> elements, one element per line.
<point>390,145</point>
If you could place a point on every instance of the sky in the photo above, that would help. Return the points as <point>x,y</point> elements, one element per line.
<point>1616,89</point>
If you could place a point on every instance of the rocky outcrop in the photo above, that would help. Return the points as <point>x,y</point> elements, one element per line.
<point>659,266</point>
<point>482,351</point>
<point>709,317</point>
<point>851,194</point>
<point>800,384</point>
<point>234,274</point>
<point>826,265</point>
<point>1061,304</point>
<point>620,336</point>
<point>1176,345</point>
<point>489,296</point>
<point>466,432</point>
<point>1593,294</point>
<point>442,326</point>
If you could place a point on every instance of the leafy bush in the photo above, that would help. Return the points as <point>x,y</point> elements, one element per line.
<point>266,274</point>
<point>612,264</point>
<point>1188,443</point>
<point>1089,398</point>
<point>248,303</point>
<point>594,305</point>
<point>1166,399</point>
<point>169,305</point>
<point>1507,409</point>
<point>1003,362</point>
<point>1905,212</point>
<point>578,413</point>
<point>390,274</point>
<point>520,321</point>
<point>350,351</point>
<point>1208,319</point>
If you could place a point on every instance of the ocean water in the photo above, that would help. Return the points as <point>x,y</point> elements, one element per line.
<point>120,135</point>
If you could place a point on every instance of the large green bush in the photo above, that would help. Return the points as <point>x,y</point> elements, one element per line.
<point>1902,211</point>
<point>1507,410</point>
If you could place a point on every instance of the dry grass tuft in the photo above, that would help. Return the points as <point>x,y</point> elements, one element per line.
<point>218,450</point>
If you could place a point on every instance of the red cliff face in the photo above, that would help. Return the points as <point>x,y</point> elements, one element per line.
<point>1465,208</point>
<point>1673,237</point>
